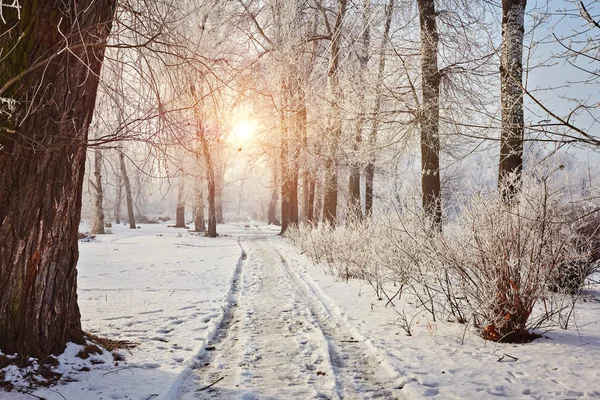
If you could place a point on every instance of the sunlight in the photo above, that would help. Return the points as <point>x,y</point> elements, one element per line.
<point>244,131</point>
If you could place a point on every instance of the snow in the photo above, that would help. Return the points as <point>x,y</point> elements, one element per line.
<point>251,313</point>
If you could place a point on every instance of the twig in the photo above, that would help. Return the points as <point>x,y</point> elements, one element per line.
<point>57,392</point>
<point>214,383</point>
<point>33,395</point>
<point>509,356</point>
<point>151,396</point>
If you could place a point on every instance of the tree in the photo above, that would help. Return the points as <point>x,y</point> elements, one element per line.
<point>180,212</point>
<point>430,113</point>
<point>354,203</point>
<point>52,56</point>
<point>98,223</point>
<point>335,131</point>
<point>128,195</point>
<point>511,82</point>
<point>370,168</point>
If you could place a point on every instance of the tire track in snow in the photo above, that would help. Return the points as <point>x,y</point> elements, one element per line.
<point>279,339</point>
<point>273,347</point>
<point>183,383</point>
<point>360,372</point>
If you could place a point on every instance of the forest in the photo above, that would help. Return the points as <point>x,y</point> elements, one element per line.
<point>418,166</point>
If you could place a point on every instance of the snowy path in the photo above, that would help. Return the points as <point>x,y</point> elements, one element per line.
<point>279,339</point>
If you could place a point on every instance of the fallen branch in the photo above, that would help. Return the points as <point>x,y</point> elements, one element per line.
<point>214,383</point>
<point>509,356</point>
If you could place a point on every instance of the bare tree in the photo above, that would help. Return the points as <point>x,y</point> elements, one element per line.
<point>370,168</point>
<point>354,202</point>
<point>335,131</point>
<point>128,193</point>
<point>430,113</point>
<point>98,223</point>
<point>511,80</point>
<point>42,166</point>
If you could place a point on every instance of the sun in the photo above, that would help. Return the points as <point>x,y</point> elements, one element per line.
<point>244,131</point>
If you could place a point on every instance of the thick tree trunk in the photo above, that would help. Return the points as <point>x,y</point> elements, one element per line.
<point>331,164</point>
<point>128,195</point>
<point>370,168</point>
<point>430,114</point>
<point>98,223</point>
<point>354,202</point>
<point>42,161</point>
<point>180,212</point>
<point>511,80</point>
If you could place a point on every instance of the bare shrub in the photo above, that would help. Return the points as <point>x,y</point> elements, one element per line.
<point>495,265</point>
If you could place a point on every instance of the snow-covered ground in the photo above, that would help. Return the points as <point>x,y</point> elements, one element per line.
<point>250,314</point>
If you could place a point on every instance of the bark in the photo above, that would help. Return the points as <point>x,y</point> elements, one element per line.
<point>283,163</point>
<point>199,207</point>
<point>180,212</point>
<point>119,198</point>
<point>209,163</point>
<point>98,223</point>
<point>511,80</point>
<point>354,203</point>
<point>219,183</point>
<point>370,168</point>
<point>128,195</point>
<point>430,113</point>
<point>293,125</point>
<point>42,162</point>
<point>331,173</point>
<point>212,208</point>
<point>210,177</point>
<point>272,212</point>
<point>308,179</point>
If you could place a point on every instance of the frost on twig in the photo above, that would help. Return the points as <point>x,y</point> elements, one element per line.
<point>7,106</point>
<point>15,5</point>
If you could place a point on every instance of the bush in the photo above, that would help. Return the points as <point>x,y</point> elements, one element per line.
<point>492,265</point>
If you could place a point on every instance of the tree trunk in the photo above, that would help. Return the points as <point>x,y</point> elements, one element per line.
<point>210,177</point>
<point>272,213</point>
<point>219,183</point>
<point>370,168</point>
<point>331,164</point>
<point>128,196</point>
<point>354,203</point>
<point>98,223</point>
<point>293,124</point>
<point>511,80</point>
<point>430,113</point>
<point>199,207</point>
<point>119,198</point>
<point>180,212</point>
<point>42,162</point>
<point>283,162</point>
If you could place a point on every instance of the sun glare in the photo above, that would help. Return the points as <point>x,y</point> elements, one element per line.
<point>244,131</point>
